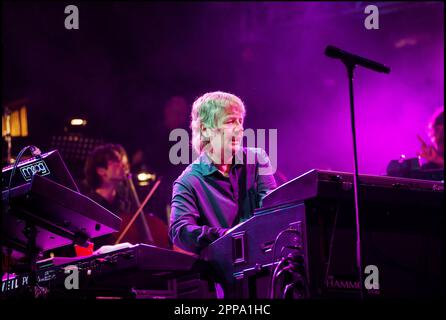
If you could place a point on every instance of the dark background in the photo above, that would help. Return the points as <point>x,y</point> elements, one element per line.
<point>128,59</point>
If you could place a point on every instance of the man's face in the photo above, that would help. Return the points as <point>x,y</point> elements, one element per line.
<point>226,139</point>
<point>116,170</point>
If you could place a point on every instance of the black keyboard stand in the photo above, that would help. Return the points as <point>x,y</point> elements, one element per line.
<point>30,232</point>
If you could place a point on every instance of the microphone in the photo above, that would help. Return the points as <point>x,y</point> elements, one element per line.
<point>346,57</point>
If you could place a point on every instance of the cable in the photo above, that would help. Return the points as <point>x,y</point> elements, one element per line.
<point>278,237</point>
<point>287,287</point>
<point>295,266</point>
<point>298,248</point>
<point>273,277</point>
<point>274,251</point>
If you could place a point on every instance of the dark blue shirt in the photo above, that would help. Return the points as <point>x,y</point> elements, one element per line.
<point>205,203</point>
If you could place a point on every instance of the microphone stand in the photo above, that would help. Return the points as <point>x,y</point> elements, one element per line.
<point>350,72</point>
<point>350,61</point>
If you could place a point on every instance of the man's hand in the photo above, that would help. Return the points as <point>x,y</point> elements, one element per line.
<point>429,153</point>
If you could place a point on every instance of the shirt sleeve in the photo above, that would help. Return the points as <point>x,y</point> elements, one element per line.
<point>184,229</point>
<point>265,176</point>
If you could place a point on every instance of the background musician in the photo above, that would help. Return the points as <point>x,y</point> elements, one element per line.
<point>107,183</point>
<point>433,154</point>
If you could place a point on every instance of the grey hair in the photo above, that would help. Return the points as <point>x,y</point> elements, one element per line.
<point>207,110</point>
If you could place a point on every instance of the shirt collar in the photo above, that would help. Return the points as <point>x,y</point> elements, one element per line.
<point>207,167</point>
